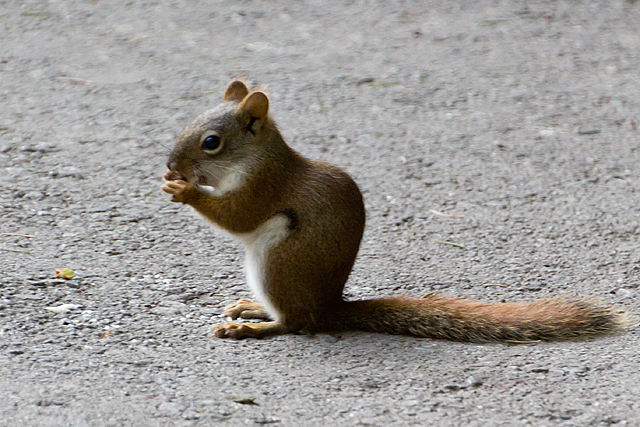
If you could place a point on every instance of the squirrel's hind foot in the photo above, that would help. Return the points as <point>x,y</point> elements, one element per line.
<point>239,331</point>
<point>247,310</point>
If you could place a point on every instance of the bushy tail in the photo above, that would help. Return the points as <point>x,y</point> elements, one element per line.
<point>456,319</point>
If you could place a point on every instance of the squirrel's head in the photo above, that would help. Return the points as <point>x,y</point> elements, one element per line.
<point>218,147</point>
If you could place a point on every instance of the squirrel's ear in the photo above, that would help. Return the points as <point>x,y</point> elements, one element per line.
<point>236,91</point>
<point>256,104</point>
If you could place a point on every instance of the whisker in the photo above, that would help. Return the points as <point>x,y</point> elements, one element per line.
<point>162,145</point>
<point>159,143</point>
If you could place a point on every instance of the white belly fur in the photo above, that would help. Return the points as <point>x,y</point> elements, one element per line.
<point>230,183</point>
<point>257,244</point>
<point>233,181</point>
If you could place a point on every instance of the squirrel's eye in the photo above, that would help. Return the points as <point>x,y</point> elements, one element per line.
<point>211,143</point>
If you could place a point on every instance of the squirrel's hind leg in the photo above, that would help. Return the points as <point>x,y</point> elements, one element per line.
<point>247,310</point>
<point>239,331</point>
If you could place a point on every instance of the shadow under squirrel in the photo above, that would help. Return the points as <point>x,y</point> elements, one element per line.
<point>301,222</point>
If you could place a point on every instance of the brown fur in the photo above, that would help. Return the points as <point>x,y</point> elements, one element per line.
<point>305,272</point>
<point>459,319</point>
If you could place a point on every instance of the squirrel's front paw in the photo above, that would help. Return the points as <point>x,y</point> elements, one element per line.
<point>178,189</point>
<point>170,175</point>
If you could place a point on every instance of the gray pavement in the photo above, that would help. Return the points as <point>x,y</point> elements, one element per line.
<point>519,118</point>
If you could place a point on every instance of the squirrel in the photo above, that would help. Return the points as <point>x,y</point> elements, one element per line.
<point>301,222</point>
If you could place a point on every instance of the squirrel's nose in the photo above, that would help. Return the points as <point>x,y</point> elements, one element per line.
<point>171,165</point>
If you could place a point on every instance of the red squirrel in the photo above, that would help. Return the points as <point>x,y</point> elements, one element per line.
<point>301,222</point>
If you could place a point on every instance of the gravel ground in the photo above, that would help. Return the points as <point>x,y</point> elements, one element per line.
<point>519,118</point>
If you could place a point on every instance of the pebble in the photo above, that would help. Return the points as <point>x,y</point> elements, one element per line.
<point>62,308</point>
<point>170,408</point>
<point>623,293</point>
<point>29,297</point>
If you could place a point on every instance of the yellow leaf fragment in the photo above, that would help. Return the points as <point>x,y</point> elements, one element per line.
<point>65,273</point>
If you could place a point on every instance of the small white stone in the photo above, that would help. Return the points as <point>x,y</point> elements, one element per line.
<point>624,293</point>
<point>62,308</point>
